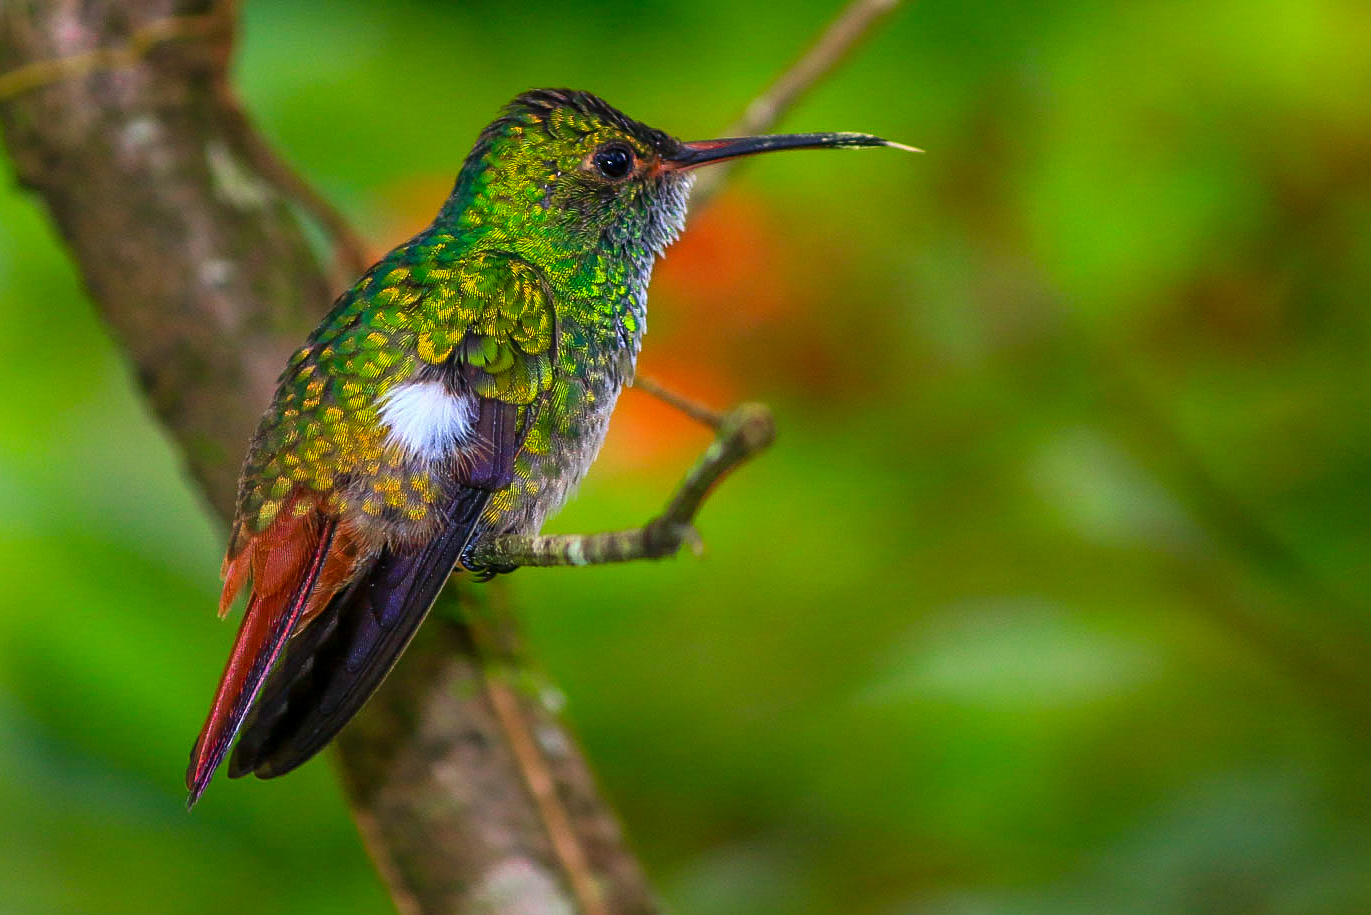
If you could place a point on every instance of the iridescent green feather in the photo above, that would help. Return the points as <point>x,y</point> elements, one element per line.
<point>414,308</point>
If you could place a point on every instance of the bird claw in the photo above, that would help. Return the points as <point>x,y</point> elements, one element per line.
<point>484,573</point>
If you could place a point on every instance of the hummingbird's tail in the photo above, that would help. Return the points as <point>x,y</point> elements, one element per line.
<point>334,665</point>
<point>291,565</point>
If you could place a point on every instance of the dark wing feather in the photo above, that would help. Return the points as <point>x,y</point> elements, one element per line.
<point>333,666</point>
<point>341,659</point>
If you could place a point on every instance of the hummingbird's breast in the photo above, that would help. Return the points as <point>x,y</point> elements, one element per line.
<point>599,336</point>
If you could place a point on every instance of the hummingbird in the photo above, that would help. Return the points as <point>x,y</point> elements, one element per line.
<point>458,391</point>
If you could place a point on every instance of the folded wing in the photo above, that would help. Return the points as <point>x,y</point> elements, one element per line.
<point>330,617</point>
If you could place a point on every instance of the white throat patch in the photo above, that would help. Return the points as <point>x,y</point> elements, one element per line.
<point>426,419</point>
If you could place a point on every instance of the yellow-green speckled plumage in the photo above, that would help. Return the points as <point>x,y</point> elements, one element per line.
<point>424,305</point>
<point>459,390</point>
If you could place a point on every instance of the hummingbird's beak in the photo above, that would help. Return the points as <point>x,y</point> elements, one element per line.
<point>706,152</point>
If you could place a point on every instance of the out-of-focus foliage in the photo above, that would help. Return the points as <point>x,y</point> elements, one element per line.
<point>1053,596</point>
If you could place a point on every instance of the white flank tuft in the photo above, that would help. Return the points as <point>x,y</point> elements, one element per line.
<point>426,419</point>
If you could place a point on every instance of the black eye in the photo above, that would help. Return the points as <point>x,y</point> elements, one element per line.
<point>614,161</point>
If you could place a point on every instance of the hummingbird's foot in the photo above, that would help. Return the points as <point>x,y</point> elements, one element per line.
<point>483,571</point>
<point>484,574</point>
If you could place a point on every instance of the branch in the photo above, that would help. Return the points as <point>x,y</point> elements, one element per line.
<point>741,433</point>
<point>209,25</point>
<point>696,411</point>
<point>854,24</point>
<point>350,257</point>
<point>193,261</point>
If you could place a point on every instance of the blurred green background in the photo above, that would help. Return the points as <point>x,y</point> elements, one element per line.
<point>1053,595</point>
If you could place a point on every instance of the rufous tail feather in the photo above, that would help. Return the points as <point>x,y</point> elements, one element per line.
<point>287,563</point>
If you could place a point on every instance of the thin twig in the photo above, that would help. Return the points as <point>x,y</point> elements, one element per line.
<point>373,840</point>
<point>743,432</point>
<point>692,408</point>
<point>857,21</point>
<point>350,257</point>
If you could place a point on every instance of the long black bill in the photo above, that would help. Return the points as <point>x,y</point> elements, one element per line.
<point>705,152</point>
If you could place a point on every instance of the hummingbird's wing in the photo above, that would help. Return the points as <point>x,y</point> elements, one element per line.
<point>488,318</point>
<point>332,668</point>
<point>340,659</point>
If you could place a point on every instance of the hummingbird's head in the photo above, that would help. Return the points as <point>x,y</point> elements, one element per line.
<point>564,169</point>
<point>577,174</point>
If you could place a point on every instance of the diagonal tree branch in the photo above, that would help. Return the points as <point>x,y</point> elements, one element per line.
<point>834,45</point>
<point>144,176</point>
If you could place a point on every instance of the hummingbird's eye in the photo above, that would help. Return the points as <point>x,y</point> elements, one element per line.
<point>614,161</point>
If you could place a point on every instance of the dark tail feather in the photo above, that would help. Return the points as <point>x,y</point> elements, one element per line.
<point>340,659</point>
<point>266,626</point>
